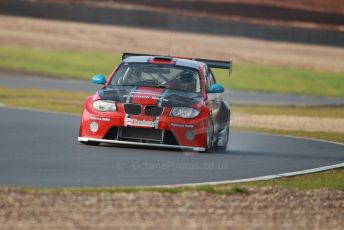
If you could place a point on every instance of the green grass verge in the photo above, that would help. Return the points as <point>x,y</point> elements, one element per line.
<point>309,111</point>
<point>83,65</point>
<point>332,179</point>
<point>274,79</point>
<point>336,137</point>
<point>58,63</point>
<point>57,101</point>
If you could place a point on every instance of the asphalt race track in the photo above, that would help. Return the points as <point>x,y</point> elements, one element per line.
<point>233,96</point>
<point>41,149</point>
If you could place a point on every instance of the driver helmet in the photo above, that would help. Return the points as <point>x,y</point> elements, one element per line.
<point>187,81</point>
<point>187,78</point>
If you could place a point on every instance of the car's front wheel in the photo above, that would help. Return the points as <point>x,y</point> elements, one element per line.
<point>222,139</point>
<point>210,137</point>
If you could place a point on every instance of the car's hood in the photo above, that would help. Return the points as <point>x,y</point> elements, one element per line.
<point>150,96</point>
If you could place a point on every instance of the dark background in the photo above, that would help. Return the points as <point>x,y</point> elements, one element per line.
<point>297,22</point>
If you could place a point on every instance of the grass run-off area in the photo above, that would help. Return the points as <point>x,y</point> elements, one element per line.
<point>245,76</point>
<point>333,179</point>
<point>308,111</point>
<point>328,136</point>
<point>50,100</point>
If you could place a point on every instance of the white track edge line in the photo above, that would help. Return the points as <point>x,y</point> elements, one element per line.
<point>254,179</point>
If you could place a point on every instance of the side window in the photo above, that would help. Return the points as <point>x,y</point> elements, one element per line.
<point>207,79</point>
<point>212,78</point>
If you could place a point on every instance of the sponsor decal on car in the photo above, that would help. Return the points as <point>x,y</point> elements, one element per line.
<point>146,97</point>
<point>181,125</point>
<point>135,122</point>
<point>100,118</point>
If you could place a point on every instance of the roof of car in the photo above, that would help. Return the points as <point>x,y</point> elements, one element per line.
<point>176,61</point>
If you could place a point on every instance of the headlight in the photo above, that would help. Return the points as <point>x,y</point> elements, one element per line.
<point>184,112</point>
<point>104,106</point>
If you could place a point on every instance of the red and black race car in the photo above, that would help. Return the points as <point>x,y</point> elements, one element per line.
<point>160,101</point>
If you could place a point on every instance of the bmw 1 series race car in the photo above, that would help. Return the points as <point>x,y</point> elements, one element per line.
<point>159,101</point>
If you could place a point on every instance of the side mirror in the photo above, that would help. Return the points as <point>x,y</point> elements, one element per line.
<point>216,88</point>
<point>98,79</point>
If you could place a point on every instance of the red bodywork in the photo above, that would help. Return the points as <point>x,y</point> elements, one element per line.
<point>187,132</point>
<point>106,120</point>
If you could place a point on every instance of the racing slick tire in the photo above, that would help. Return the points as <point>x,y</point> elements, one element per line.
<point>210,137</point>
<point>222,139</point>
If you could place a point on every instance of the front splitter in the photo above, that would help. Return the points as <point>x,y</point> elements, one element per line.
<point>86,139</point>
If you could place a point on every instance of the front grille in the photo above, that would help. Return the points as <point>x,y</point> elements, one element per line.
<point>153,111</point>
<point>142,134</point>
<point>132,109</point>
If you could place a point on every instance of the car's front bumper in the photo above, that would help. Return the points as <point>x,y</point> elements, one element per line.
<point>191,133</point>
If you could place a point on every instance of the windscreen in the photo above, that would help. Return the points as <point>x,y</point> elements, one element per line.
<point>157,75</point>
